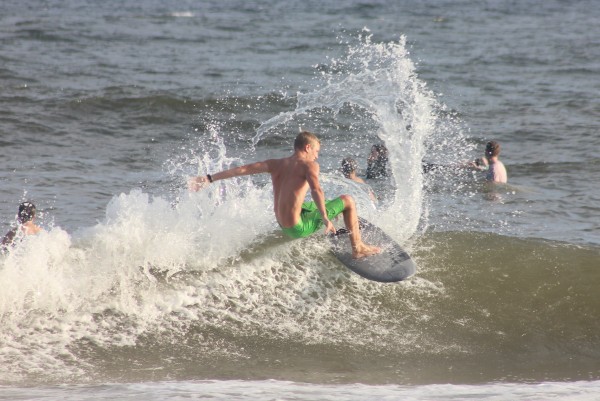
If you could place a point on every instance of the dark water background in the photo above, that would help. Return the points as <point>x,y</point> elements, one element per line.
<point>107,107</point>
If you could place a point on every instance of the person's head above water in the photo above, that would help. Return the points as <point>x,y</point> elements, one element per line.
<point>349,166</point>
<point>377,162</point>
<point>492,149</point>
<point>26,212</point>
<point>379,152</point>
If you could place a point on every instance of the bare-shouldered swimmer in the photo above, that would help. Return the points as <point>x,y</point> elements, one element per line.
<point>25,224</point>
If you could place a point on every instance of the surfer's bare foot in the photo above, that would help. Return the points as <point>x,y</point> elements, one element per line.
<point>364,250</point>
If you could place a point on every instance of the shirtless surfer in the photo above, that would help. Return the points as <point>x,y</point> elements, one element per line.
<point>292,177</point>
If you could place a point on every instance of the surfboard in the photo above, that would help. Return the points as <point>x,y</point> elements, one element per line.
<point>392,264</point>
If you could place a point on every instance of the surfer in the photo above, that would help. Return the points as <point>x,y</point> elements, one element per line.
<point>292,177</point>
<point>25,222</point>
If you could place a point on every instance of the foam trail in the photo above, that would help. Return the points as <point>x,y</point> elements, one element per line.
<point>106,286</point>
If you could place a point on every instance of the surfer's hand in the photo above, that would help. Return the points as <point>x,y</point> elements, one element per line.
<point>197,183</point>
<point>329,227</point>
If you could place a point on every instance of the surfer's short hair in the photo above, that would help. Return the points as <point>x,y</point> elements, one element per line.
<point>349,166</point>
<point>305,138</point>
<point>26,212</point>
<point>492,149</point>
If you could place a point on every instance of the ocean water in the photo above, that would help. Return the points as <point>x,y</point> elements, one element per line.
<point>140,290</point>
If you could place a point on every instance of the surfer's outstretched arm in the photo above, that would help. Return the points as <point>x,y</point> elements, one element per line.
<point>201,181</point>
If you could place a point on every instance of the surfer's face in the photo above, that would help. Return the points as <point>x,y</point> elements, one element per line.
<point>313,150</point>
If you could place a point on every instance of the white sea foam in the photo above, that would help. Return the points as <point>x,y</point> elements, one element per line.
<point>183,14</point>
<point>278,390</point>
<point>154,262</point>
<point>151,263</point>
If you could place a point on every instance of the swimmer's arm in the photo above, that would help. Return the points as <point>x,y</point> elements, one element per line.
<point>197,183</point>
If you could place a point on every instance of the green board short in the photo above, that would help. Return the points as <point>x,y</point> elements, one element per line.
<point>310,218</point>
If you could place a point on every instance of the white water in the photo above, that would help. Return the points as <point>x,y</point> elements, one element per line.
<point>290,391</point>
<point>100,284</point>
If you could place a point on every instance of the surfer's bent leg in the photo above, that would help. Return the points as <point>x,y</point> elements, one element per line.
<point>359,248</point>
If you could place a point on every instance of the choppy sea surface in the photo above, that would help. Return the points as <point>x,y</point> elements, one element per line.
<point>137,289</point>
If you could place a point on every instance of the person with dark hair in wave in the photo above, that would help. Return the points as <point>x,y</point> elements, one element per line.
<point>25,224</point>
<point>377,162</point>
<point>349,170</point>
